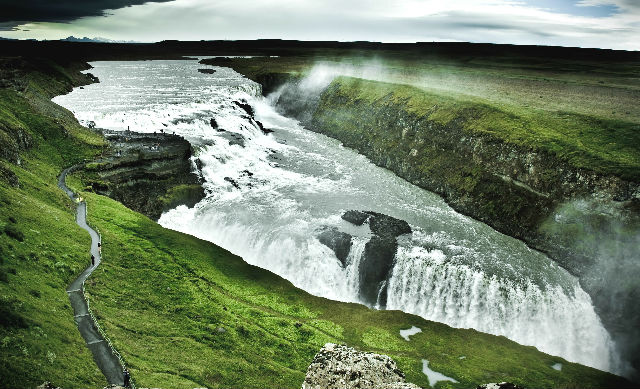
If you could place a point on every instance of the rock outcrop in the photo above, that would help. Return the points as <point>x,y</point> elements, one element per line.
<point>338,241</point>
<point>149,173</point>
<point>342,367</point>
<point>379,253</point>
<point>207,71</point>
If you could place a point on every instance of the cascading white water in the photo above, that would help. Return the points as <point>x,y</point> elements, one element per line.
<point>426,283</point>
<point>268,196</point>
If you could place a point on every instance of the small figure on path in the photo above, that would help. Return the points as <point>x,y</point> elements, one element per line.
<point>93,260</point>
<point>100,248</point>
<point>127,378</point>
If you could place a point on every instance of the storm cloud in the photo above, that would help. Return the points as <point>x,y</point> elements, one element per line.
<point>14,13</point>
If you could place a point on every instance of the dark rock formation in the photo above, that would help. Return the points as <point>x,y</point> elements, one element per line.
<point>375,268</point>
<point>213,123</point>
<point>149,173</point>
<point>342,367</point>
<point>355,217</point>
<point>379,253</point>
<point>387,226</point>
<point>93,78</point>
<point>261,127</point>
<point>232,182</point>
<point>243,105</point>
<point>207,71</point>
<point>338,241</point>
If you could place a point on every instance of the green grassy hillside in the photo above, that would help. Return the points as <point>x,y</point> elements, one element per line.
<point>181,311</point>
<point>603,145</point>
<point>41,248</point>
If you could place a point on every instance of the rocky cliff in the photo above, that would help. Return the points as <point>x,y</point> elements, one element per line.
<point>149,173</point>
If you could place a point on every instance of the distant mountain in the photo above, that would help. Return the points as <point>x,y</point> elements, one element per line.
<point>72,38</point>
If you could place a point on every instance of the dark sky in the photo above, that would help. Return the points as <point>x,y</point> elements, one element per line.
<point>14,12</point>
<point>584,23</point>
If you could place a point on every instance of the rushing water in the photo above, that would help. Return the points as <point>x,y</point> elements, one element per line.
<point>293,182</point>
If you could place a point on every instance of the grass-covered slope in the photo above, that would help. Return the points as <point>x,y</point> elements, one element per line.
<point>602,145</point>
<point>41,248</point>
<point>186,313</point>
<point>182,311</point>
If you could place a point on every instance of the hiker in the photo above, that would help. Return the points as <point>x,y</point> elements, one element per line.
<point>99,248</point>
<point>93,260</point>
<point>127,378</point>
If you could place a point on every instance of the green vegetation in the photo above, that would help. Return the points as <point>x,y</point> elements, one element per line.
<point>603,145</point>
<point>184,312</point>
<point>41,248</point>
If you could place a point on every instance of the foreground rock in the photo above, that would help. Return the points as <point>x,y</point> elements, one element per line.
<point>149,173</point>
<point>342,367</point>
<point>501,385</point>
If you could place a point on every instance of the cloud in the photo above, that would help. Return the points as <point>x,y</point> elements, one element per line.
<point>17,12</point>
<point>496,21</point>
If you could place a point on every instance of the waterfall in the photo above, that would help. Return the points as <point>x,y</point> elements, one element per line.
<point>269,195</point>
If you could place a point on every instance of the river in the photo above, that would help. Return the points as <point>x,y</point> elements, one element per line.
<point>269,195</point>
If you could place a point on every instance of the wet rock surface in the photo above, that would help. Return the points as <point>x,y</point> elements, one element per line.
<point>342,367</point>
<point>243,105</point>
<point>379,252</point>
<point>149,173</point>
<point>355,217</point>
<point>338,241</point>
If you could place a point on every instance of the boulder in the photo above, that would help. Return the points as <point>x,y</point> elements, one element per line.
<point>387,226</point>
<point>232,182</point>
<point>339,242</point>
<point>213,123</point>
<point>342,367</point>
<point>261,127</point>
<point>355,217</point>
<point>501,385</point>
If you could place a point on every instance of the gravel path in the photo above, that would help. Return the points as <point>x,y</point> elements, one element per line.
<point>103,355</point>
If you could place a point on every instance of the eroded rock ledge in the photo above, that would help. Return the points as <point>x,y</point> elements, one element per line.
<point>149,173</point>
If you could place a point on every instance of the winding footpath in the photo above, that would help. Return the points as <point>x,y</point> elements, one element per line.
<point>103,355</point>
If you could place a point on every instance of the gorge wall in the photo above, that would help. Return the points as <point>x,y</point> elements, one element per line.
<point>149,173</point>
<point>587,221</point>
